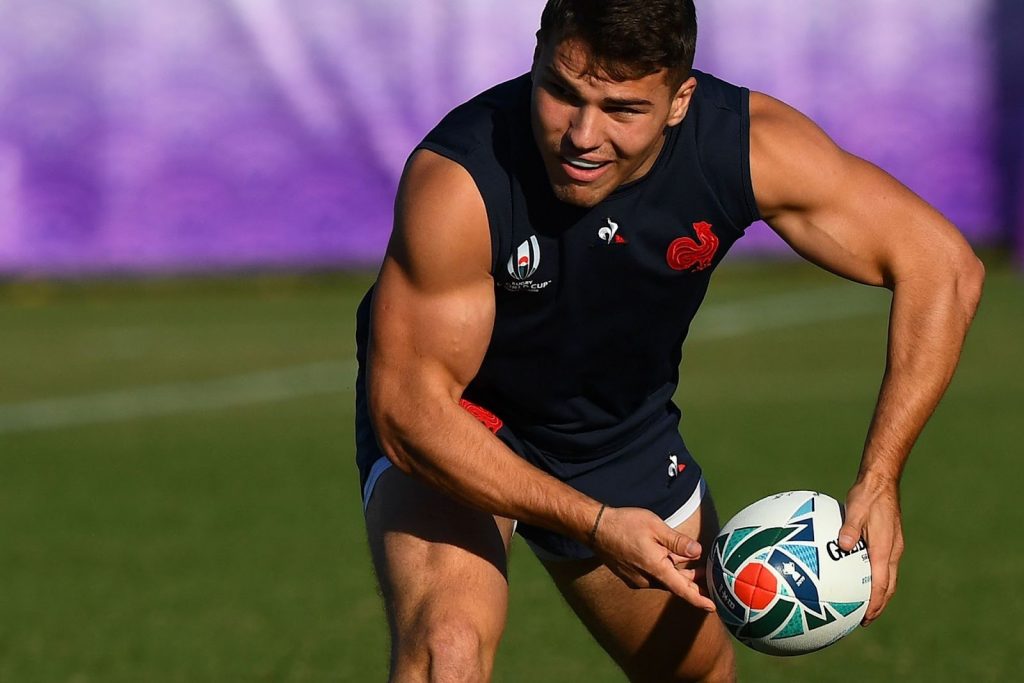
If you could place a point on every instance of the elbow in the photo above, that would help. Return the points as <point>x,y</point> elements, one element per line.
<point>391,428</point>
<point>404,416</point>
<point>970,280</point>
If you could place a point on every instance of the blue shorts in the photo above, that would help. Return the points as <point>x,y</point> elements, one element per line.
<point>653,471</point>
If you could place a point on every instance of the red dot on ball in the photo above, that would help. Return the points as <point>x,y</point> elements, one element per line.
<point>756,586</point>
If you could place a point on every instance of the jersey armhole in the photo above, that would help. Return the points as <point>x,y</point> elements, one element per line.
<point>753,213</point>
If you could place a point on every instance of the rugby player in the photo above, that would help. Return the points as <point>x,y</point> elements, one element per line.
<point>553,238</point>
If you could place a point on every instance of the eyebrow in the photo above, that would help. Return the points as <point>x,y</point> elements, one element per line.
<point>608,101</point>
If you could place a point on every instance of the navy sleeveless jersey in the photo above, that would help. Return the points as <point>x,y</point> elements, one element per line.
<point>593,305</point>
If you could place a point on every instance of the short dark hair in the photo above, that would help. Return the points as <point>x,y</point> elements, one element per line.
<point>627,39</point>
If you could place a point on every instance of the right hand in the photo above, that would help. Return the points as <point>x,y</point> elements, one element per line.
<point>644,552</point>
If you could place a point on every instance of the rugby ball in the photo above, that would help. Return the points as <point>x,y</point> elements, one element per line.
<point>781,582</point>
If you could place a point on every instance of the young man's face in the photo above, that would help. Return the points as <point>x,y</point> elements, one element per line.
<point>595,134</point>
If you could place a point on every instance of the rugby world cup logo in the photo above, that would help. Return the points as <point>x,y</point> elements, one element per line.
<point>524,262</point>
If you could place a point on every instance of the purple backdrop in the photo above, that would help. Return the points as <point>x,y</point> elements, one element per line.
<point>200,134</point>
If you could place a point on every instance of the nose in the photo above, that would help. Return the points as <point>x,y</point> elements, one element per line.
<point>584,130</point>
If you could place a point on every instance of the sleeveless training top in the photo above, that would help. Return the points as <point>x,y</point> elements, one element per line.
<point>593,305</point>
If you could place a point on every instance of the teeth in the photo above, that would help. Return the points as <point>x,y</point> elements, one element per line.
<point>580,163</point>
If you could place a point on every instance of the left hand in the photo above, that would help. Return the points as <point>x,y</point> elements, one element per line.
<point>873,513</point>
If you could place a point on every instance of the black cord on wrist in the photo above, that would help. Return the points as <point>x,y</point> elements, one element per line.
<point>593,532</point>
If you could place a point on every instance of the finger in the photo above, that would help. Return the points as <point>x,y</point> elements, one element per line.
<point>884,554</point>
<point>696,568</point>
<point>891,588</point>
<point>894,569</point>
<point>678,559</point>
<point>681,566</point>
<point>879,587</point>
<point>696,576</point>
<point>685,589</point>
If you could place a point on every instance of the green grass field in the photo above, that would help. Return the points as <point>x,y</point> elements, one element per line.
<point>178,499</point>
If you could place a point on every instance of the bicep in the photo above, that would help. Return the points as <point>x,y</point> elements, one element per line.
<point>433,307</point>
<point>836,210</point>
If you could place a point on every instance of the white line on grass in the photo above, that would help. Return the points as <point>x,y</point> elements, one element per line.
<point>788,309</point>
<point>714,322</point>
<point>177,397</point>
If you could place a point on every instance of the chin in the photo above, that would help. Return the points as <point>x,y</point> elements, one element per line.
<point>575,195</point>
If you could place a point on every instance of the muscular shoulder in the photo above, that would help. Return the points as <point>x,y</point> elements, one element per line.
<point>440,234</point>
<point>793,163</point>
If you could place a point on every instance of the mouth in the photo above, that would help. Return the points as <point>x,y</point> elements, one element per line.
<point>583,170</point>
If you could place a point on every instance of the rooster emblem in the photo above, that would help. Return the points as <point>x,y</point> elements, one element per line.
<point>685,253</point>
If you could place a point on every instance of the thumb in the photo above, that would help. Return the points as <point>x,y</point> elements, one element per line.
<point>680,544</point>
<point>853,526</point>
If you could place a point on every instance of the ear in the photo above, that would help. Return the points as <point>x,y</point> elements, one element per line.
<point>681,101</point>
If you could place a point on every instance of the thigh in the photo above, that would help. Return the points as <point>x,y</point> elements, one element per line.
<point>652,634</point>
<point>442,568</point>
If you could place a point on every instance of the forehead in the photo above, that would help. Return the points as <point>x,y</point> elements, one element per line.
<point>573,61</point>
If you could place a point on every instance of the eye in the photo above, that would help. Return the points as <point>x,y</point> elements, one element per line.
<point>559,91</point>
<point>623,113</point>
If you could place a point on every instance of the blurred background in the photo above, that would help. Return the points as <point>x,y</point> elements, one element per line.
<point>197,135</point>
<point>195,194</point>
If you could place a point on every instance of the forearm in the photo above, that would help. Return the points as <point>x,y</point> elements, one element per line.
<point>927,326</point>
<point>436,440</point>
